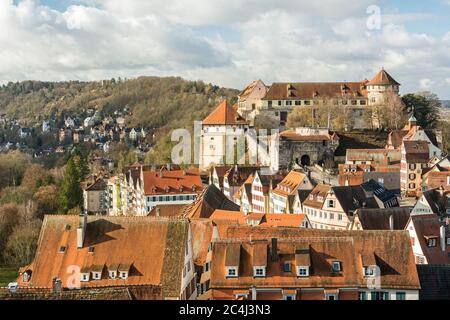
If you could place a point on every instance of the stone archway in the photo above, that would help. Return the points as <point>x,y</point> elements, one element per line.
<point>305,160</point>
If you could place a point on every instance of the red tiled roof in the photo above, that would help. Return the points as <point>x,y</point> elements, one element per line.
<point>140,243</point>
<point>314,90</point>
<point>383,78</point>
<point>166,182</point>
<point>224,114</point>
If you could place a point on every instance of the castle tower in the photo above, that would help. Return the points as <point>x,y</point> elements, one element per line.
<point>381,87</point>
<point>220,123</point>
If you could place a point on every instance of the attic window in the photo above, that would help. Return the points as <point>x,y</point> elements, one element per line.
<point>91,249</point>
<point>302,271</point>
<point>231,272</point>
<point>96,275</point>
<point>112,274</point>
<point>259,271</point>
<point>336,266</point>
<point>369,271</point>
<point>62,249</point>
<point>84,277</point>
<point>67,227</point>
<point>286,267</point>
<point>432,241</point>
<point>123,275</point>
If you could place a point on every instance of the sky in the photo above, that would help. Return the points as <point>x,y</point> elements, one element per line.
<point>228,42</point>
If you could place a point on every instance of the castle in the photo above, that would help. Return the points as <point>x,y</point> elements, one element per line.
<point>280,98</point>
<point>221,129</point>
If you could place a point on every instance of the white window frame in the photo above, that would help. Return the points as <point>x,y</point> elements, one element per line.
<point>256,271</point>
<point>300,269</point>
<point>112,274</point>
<point>339,264</point>
<point>96,275</point>
<point>234,274</point>
<point>123,275</point>
<point>84,277</point>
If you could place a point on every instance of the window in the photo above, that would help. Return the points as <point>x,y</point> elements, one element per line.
<point>368,271</point>
<point>298,103</point>
<point>400,296</point>
<point>331,203</point>
<point>123,275</point>
<point>112,274</point>
<point>62,249</point>
<point>259,272</point>
<point>279,102</point>
<point>84,277</point>
<point>432,242</point>
<point>302,271</point>
<point>362,296</point>
<point>331,216</point>
<point>286,267</point>
<point>289,103</point>
<point>231,272</point>
<point>96,275</point>
<point>289,297</point>
<point>336,266</point>
<point>412,186</point>
<point>269,104</point>
<point>331,296</point>
<point>340,217</point>
<point>412,176</point>
<point>412,166</point>
<point>377,295</point>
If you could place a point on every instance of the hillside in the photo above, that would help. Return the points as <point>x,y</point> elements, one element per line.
<point>154,102</point>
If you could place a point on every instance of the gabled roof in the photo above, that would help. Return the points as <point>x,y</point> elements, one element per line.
<point>378,219</point>
<point>437,200</point>
<point>209,200</point>
<point>290,184</point>
<point>391,251</point>
<point>312,90</point>
<point>383,78</point>
<point>429,226</point>
<point>177,182</point>
<point>153,248</point>
<point>352,198</point>
<point>224,114</point>
<point>434,282</point>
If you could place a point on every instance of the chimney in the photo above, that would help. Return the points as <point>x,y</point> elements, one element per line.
<point>57,285</point>
<point>274,252</point>
<point>391,222</point>
<point>158,211</point>
<point>81,230</point>
<point>442,237</point>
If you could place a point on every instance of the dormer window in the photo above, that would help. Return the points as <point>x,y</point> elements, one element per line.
<point>112,274</point>
<point>432,242</point>
<point>123,275</point>
<point>302,271</point>
<point>231,272</point>
<point>84,277</point>
<point>286,267</point>
<point>259,271</point>
<point>369,271</point>
<point>336,266</point>
<point>96,275</point>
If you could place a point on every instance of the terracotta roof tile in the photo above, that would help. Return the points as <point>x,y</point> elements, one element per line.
<point>224,114</point>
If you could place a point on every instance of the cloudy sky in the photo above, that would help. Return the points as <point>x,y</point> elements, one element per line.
<point>228,42</point>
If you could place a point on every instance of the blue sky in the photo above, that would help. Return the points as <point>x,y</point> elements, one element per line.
<point>227,42</point>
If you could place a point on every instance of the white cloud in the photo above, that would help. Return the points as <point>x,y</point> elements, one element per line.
<point>284,40</point>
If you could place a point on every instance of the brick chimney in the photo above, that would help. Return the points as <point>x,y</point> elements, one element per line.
<point>81,230</point>
<point>274,252</point>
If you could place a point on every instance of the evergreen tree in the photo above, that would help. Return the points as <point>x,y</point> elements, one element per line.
<point>70,192</point>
